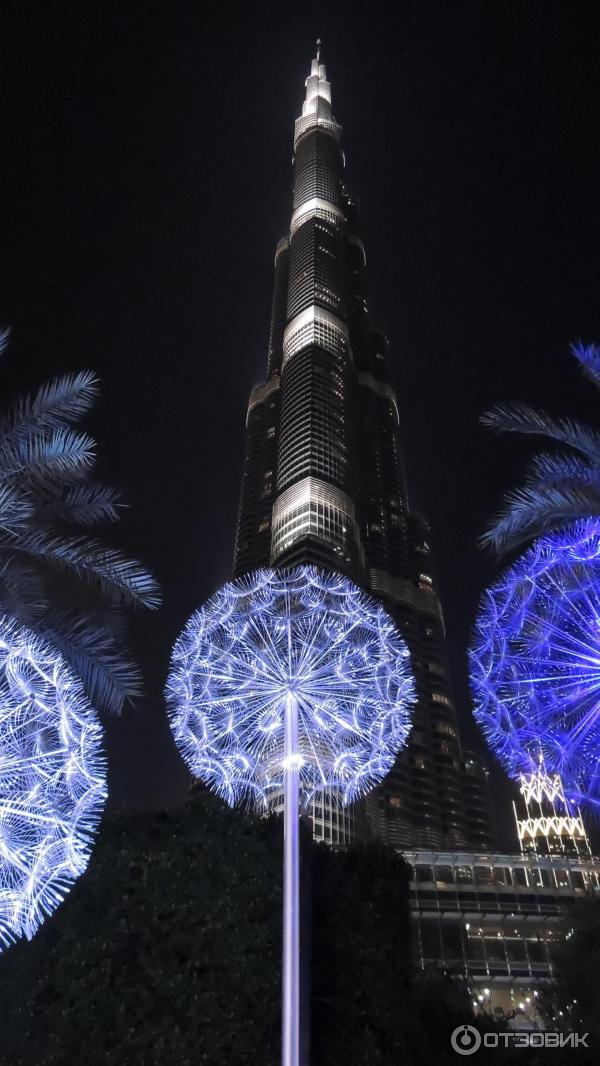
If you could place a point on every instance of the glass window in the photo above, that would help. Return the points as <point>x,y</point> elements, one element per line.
<point>474,947</point>
<point>444,874</point>
<point>451,941</point>
<point>494,948</point>
<point>527,901</point>
<point>423,873</point>
<point>502,875</point>
<point>537,950</point>
<point>438,697</point>
<point>468,899</point>
<point>464,874</point>
<point>427,896</point>
<point>516,950</point>
<point>430,939</point>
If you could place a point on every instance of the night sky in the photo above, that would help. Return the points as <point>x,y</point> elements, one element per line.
<point>147,179</point>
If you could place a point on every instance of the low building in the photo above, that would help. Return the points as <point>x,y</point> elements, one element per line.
<point>493,918</point>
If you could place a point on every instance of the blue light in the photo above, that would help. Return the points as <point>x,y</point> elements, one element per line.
<point>271,635</point>
<point>535,661</point>
<point>52,781</point>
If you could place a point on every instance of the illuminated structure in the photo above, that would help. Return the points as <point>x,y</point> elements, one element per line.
<point>290,682</point>
<point>493,919</point>
<point>535,663</point>
<point>52,781</point>
<point>323,478</point>
<point>551,826</point>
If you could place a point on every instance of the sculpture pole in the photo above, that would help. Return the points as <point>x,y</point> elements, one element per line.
<point>284,684</point>
<point>290,1020</point>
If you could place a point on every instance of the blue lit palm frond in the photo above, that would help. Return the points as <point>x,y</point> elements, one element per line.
<point>108,673</point>
<point>69,587</point>
<point>23,592</point>
<point>588,357</point>
<point>559,488</point>
<point>119,579</point>
<point>561,469</point>
<point>60,402</point>
<point>4,338</point>
<point>86,504</point>
<point>533,510</point>
<point>63,453</point>
<point>15,511</point>
<point>520,418</point>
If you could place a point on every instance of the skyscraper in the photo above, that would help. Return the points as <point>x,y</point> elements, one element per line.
<point>323,479</point>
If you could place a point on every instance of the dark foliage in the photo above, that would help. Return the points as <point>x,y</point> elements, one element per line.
<point>574,1002</point>
<point>167,952</point>
<point>361,956</point>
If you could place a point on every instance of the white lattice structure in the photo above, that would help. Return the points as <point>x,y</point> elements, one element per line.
<point>552,825</point>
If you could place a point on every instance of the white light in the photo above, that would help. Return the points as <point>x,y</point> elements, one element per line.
<point>52,780</point>
<point>293,762</point>
<point>315,325</point>
<point>270,633</point>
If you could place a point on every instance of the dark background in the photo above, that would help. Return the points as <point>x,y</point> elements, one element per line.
<point>147,179</point>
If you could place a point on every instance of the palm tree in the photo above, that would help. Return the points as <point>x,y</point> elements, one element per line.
<point>65,585</point>
<point>560,486</point>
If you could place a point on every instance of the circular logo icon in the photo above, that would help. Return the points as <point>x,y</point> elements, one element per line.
<point>466,1040</point>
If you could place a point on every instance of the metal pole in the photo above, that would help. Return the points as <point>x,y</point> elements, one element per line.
<point>290,1019</point>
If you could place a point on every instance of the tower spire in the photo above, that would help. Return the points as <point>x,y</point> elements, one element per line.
<point>323,479</point>
<point>318,92</point>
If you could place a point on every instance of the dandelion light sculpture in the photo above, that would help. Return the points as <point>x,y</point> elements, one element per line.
<point>535,662</point>
<point>52,780</point>
<point>290,681</point>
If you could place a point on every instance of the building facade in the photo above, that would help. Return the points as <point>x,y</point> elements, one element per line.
<point>492,919</point>
<point>323,482</point>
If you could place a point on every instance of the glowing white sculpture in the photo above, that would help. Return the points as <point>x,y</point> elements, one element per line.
<point>272,636</point>
<point>52,780</point>
<point>552,824</point>
<point>293,681</point>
